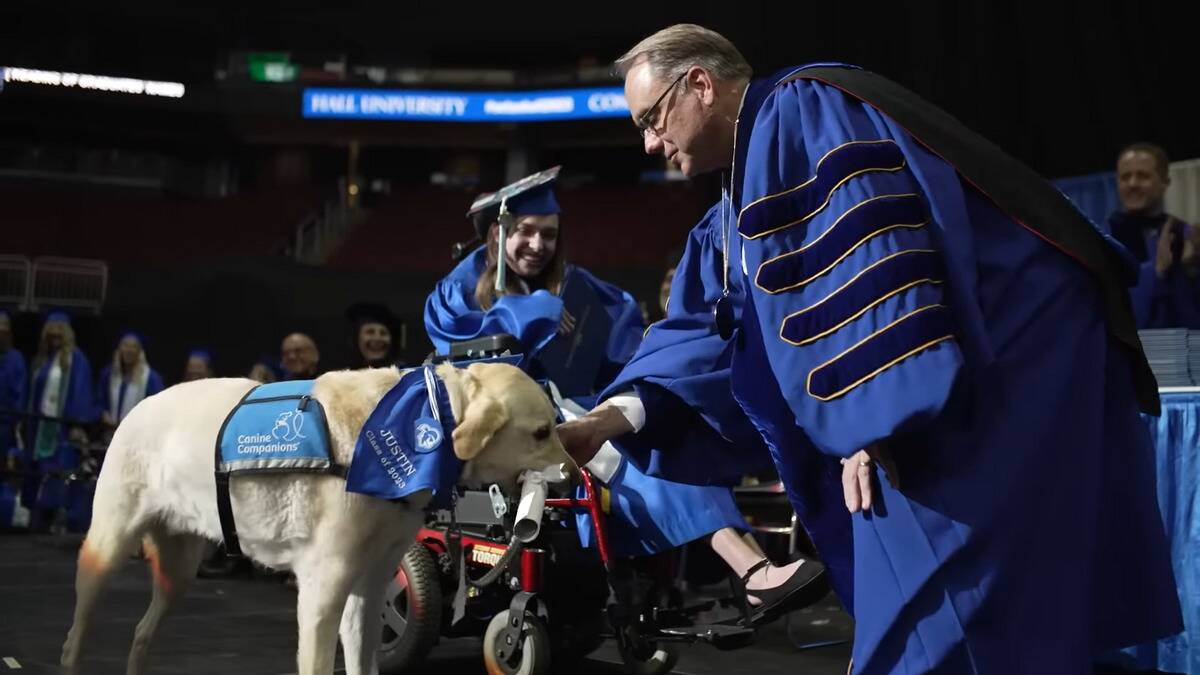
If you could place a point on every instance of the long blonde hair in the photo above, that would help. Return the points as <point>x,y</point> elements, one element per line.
<point>138,368</point>
<point>551,278</point>
<point>64,353</point>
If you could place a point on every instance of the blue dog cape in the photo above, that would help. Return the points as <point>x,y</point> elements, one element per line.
<point>405,446</point>
<point>275,427</point>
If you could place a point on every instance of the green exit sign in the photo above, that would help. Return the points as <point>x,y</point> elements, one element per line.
<point>271,67</point>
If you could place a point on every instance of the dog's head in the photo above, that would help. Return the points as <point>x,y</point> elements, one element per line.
<point>505,424</point>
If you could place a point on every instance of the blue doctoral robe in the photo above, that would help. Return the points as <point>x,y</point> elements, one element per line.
<point>53,491</point>
<point>1172,302</point>
<point>892,301</point>
<point>647,515</point>
<point>696,431</point>
<point>13,383</point>
<point>104,398</point>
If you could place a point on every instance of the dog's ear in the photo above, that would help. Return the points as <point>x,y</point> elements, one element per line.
<point>483,417</point>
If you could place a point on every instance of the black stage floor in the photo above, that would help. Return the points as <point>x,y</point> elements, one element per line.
<point>247,626</point>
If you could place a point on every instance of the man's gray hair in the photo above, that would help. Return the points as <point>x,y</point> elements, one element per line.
<point>672,50</point>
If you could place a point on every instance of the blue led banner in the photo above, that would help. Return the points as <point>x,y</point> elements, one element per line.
<point>461,106</point>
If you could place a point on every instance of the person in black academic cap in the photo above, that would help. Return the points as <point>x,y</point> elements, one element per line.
<point>373,335</point>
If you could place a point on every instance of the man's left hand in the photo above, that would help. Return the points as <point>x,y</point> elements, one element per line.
<point>582,437</point>
<point>858,473</point>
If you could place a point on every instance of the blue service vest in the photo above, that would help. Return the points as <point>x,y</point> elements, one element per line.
<point>276,427</point>
<point>404,446</point>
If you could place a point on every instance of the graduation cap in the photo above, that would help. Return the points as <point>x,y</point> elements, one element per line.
<point>533,195</point>
<point>59,315</point>
<point>371,312</point>
<point>141,339</point>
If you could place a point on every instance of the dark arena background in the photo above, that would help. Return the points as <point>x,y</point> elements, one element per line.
<point>216,179</point>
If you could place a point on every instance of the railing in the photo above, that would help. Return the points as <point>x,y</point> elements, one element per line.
<point>48,282</point>
<point>16,272</point>
<point>319,232</point>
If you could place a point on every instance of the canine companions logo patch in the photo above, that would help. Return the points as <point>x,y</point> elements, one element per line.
<point>288,425</point>
<point>428,434</point>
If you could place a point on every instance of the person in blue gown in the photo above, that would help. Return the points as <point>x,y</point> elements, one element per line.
<point>937,349</point>
<point>1166,247</point>
<point>13,383</point>
<point>198,366</point>
<point>125,382</point>
<point>59,410</point>
<point>647,515</point>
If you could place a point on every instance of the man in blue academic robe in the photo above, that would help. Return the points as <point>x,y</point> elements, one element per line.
<point>931,325</point>
<point>1165,247</point>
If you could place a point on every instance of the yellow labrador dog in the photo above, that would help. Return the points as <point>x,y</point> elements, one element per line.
<point>157,485</point>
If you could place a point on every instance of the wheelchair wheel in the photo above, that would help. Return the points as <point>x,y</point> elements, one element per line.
<point>645,657</point>
<point>412,612</point>
<point>533,658</point>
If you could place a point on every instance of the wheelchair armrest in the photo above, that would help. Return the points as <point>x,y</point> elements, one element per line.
<point>501,344</point>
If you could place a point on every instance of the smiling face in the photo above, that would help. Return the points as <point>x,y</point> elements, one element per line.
<point>299,355</point>
<point>374,342</point>
<point>1141,183</point>
<point>531,245</point>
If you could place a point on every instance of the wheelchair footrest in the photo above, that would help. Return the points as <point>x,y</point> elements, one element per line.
<point>719,636</point>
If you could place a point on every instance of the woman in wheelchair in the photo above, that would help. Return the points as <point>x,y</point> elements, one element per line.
<point>646,515</point>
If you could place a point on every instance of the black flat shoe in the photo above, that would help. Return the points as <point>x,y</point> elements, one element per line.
<point>808,584</point>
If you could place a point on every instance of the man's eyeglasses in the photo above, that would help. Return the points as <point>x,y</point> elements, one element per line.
<point>645,121</point>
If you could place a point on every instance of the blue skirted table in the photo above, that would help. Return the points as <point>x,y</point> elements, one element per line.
<point>1176,437</point>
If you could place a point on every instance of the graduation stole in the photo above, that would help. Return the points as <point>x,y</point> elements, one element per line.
<point>123,393</point>
<point>46,439</point>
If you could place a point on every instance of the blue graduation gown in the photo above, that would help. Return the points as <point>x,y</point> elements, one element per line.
<point>889,300</point>
<point>13,383</point>
<point>53,492</point>
<point>103,398</point>
<point>1172,302</point>
<point>647,514</point>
